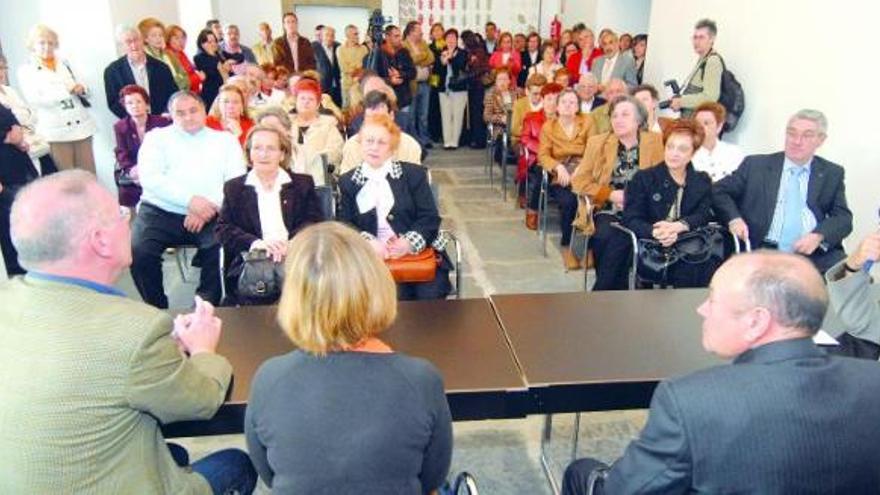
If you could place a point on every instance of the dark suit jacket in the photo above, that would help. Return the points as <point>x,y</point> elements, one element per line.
<point>458,65</point>
<point>751,192</point>
<point>330,72</point>
<point>162,85</point>
<point>403,63</point>
<point>414,209</point>
<point>283,56</point>
<point>238,225</point>
<point>652,191</point>
<point>783,418</point>
<point>526,65</point>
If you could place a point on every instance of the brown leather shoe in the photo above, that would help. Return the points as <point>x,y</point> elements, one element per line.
<point>570,261</point>
<point>531,219</point>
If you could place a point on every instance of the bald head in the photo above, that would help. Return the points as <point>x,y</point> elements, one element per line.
<point>53,218</point>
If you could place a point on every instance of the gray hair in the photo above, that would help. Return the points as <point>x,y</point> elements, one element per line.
<point>641,111</point>
<point>123,29</point>
<point>708,25</point>
<point>57,236</point>
<point>588,76</point>
<point>793,298</point>
<point>183,93</point>
<point>276,112</point>
<point>814,116</point>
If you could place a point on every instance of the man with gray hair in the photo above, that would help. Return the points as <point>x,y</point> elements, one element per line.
<point>88,374</point>
<point>587,89</point>
<point>783,417</point>
<point>135,67</point>
<point>794,200</point>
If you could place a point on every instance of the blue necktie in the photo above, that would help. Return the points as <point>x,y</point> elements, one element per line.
<point>792,223</point>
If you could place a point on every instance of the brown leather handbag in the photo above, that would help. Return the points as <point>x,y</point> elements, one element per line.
<point>419,267</point>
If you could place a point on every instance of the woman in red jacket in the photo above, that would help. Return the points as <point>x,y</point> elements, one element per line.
<point>506,56</point>
<point>175,42</point>
<point>528,164</point>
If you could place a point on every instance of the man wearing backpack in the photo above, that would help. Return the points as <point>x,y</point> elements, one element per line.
<point>704,82</point>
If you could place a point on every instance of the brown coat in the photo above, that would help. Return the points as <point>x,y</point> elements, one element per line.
<point>593,175</point>
<point>555,145</point>
<point>283,57</point>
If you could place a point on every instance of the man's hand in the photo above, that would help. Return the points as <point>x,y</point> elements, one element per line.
<point>398,247</point>
<point>868,250</point>
<point>739,228</point>
<point>617,198</point>
<point>198,331</point>
<point>563,178</point>
<point>394,77</point>
<point>675,103</point>
<point>202,207</point>
<point>193,223</point>
<point>808,243</point>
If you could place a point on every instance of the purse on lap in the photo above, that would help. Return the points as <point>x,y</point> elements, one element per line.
<point>419,267</point>
<point>695,247</point>
<point>261,277</point>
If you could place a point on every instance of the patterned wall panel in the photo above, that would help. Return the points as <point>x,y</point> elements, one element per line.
<point>509,15</point>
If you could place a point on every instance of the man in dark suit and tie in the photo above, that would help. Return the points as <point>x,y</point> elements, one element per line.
<point>783,417</point>
<point>328,64</point>
<point>793,201</point>
<point>135,67</point>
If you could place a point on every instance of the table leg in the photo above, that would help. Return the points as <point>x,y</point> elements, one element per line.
<point>546,435</point>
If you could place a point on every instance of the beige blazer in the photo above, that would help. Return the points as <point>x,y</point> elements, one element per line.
<point>408,151</point>
<point>322,138</point>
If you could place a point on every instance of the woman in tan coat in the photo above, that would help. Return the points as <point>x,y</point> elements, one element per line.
<point>610,161</point>
<point>560,148</point>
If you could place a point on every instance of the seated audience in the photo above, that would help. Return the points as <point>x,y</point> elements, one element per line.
<point>772,421</point>
<point>451,68</point>
<point>609,162</point>
<point>581,61</point>
<point>498,102</point>
<point>668,200</point>
<point>230,113</point>
<point>548,65</point>
<point>130,133</point>
<point>613,64</point>
<point>209,60</point>
<point>602,114</point>
<point>153,32</point>
<point>316,133</point>
<point>793,201</point>
<point>625,42</point>
<point>639,49</point>
<point>175,43</point>
<point>278,119</point>
<point>272,86</point>
<point>391,204</point>
<point>523,105</point>
<point>650,99</point>
<point>528,162</point>
<point>587,89</point>
<point>378,103</point>
<point>716,157</point>
<point>561,146</point>
<point>48,83</point>
<point>17,170</point>
<point>531,56</point>
<point>135,67</point>
<point>506,57</point>
<point>264,208</point>
<point>37,145</point>
<point>182,169</point>
<point>302,430</point>
<point>562,77</point>
<point>854,301</point>
<point>568,50</point>
<point>89,374</point>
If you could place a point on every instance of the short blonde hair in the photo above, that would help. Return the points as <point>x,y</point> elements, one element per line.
<point>337,292</point>
<point>149,23</point>
<point>41,31</point>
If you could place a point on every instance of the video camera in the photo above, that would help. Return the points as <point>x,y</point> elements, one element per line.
<point>672,84</point>
<point>376,26</point>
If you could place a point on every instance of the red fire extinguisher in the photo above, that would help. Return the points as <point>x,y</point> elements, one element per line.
<point>555,28</point>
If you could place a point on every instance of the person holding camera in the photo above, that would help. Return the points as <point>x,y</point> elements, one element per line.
<point>393,64</point>
<point>704,82</point>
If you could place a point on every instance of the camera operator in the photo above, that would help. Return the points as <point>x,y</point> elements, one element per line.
<point>704,82</point>
<point>393,63</point>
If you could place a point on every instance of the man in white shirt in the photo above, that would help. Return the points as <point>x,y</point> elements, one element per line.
<point>715,157</point>
<point>182,171</point>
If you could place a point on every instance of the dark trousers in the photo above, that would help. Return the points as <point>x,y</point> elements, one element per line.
<point>577,477</point>
<point>612,252</point>
<point>227,471</point>
<point>435,124</point>
<point>568,205</point>
<point>438,288</point>
<point>10,255</point>
<point>154,231</point>
<point>476,125</point>
<point>533,194</point>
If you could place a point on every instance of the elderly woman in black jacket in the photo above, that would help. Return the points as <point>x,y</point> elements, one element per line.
<point>264,208</point>
<point>391,204</point>
<point>17,170</point>
<point>666,201</point>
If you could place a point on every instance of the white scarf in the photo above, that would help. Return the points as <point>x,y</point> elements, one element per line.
<point>376,193</point>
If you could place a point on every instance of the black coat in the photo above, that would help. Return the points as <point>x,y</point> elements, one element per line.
<point>238,225</point>
<point>458,63</point>
<point>330,72</point>
<point>651,193</point>
<point>118,74</point>
<point>751,191</point>
<point>403,63</point>
<point>16,167</point>
<point>526,65</point>
<point>414,210</point>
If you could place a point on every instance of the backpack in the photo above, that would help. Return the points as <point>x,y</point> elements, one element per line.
<point>731,97</point>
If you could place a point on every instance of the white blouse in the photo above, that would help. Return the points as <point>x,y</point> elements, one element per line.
<point>720,162</point>
<point>269,208</point>
<point>376,193</point>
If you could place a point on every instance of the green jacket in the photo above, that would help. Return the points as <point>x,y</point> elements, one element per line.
<point>86,380</point>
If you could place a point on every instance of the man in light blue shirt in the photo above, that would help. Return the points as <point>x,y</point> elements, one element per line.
<point>182,171</point>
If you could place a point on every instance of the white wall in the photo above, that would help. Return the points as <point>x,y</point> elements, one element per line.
<point>785,55</point>
<point>248,14</point>
<point>192,15</point>
<point>575,11</point>
<point>623,16</point>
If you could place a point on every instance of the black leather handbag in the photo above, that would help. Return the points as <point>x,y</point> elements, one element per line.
<point>694,247</point>
<point>260,278</point>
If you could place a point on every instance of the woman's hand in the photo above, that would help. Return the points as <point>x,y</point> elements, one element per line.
<point>398,247</point>
<point>563,178</point>
<point>379,248</point>
<point>277,250</point>
<point>667,232</point>
<point>201,75</point>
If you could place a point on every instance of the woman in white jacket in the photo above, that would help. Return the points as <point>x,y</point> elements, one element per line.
<point>38,147</point>
<point>49,85</point>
